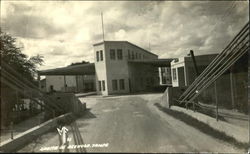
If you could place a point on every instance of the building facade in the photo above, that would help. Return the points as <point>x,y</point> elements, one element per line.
<point>115,71</point>
<point>69,83</point>
<point>183,70</point>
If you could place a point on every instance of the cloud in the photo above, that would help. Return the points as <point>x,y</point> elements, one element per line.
<point>64,31</point>
<point>19,22</point>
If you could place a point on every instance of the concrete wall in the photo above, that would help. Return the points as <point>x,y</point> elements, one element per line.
<point>57,81</point>
<point>75,83</point>
<point>117,69</point>
<point>170,96</point>
<point>100,69</point>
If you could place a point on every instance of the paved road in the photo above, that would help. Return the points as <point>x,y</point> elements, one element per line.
<point>131,124</point>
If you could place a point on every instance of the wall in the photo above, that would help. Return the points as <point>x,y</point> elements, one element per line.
<point>56,80</point>
<point>175,65</point>
<point>143,77</point>
<point>59,84</point>
<point>100,68</point>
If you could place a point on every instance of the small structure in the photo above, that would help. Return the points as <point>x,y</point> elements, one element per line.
<point>76,78</point>
<point>183,70</point>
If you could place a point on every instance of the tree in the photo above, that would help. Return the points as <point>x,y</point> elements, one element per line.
<point>26,67</point>
<point>12,55</point>
<point>78,63</point>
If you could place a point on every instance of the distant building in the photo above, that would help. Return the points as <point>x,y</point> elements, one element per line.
<point>165,76</point>
<point>120,67</point>
<point>183,70</point>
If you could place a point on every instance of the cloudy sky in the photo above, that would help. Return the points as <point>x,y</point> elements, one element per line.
<point>64,31</point>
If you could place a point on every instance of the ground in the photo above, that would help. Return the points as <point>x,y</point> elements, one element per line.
<point>130,123</point>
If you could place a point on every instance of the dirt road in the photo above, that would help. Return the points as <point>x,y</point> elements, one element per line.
<point>130,124</point>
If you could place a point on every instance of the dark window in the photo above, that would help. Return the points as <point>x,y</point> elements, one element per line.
<point>133,56</point>
<point>136,56</point>
<point>119,54</point>
<point>139,56</point>
<point>114,85</point>
<point>142,82</point>
<point>97,55</point>
<point>103,85</point>
<point>164,81</point>
<point>100,85</point>
<point>129,54</point>
<point>122,84</point>
<point>112,54</point>
<point>174,74</point>
<point>101,55</point>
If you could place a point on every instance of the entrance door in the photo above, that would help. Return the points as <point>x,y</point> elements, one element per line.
<point>181,76</point>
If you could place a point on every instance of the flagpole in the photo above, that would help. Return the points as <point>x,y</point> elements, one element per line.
<point>102,27</point>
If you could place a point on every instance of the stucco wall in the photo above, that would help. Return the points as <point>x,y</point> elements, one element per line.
<point>100,68</point>
<point>57,81</point>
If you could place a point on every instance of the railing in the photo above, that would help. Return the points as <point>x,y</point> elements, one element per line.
<point>23,88</point>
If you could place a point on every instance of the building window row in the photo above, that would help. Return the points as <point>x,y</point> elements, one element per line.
<point>134,55</point>
<point>113,54</point>
<point>101,85</point>
<point>115,84</point>
<point>99,55</point>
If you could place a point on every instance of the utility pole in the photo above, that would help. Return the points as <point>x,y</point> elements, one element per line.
<point>102,27</point>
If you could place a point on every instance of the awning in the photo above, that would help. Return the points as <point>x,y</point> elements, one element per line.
<point>154,62</point>
<point>82,69</point>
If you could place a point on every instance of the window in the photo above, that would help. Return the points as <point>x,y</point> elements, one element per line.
<point>121,84</point>
<point>112,54</point>
<point>97,55</point>
<point>119,54</point>
<point>114,85</point>
<point>101,55</point>
<point>136,56</point>
<point>129,54</point>
<point>133,56</point>
<point>174,74</point>
<point>103,85</point>
<point>100,85</point>
<point>139,56</point>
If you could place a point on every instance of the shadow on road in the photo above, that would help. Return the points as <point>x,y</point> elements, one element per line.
<point>87,114</point>
<point>77,138</point>
<point>203,127</point>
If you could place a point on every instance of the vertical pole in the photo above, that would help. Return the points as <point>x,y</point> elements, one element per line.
<point>216,99</point>
<point>11,130</point>
<point>232,87</point>
<point>64,78</point>
<point>76,83</point>
<point>102,27</point>
<point>39,82</point>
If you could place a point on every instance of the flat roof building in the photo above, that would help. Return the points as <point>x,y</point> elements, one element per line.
<point>119,67</point>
